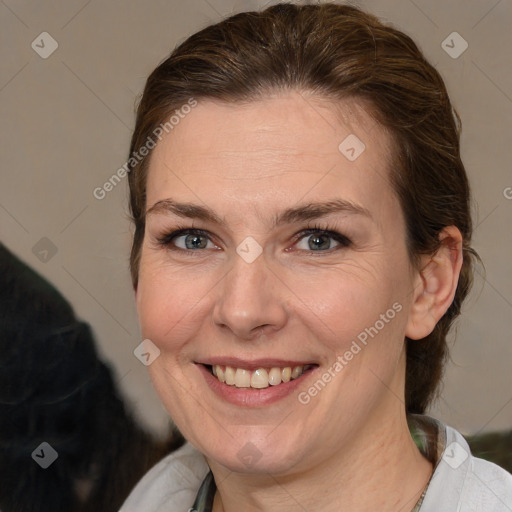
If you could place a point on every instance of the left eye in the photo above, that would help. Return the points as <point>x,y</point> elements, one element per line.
<point>319,241</point>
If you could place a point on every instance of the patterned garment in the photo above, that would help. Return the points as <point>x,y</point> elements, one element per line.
<point>430,439</point>
<point>205,495</point>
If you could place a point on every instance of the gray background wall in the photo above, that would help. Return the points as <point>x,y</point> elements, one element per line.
<point>66,124</point>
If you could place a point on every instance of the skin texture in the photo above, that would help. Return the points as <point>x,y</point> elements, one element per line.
<point>350,444</point>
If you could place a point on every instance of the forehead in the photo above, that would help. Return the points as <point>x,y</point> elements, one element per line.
<point>283,147</point>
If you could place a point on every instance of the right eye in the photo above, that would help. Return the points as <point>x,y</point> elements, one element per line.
<point>187,240</point>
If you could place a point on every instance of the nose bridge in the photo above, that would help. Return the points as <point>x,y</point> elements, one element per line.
<point>249,298</point>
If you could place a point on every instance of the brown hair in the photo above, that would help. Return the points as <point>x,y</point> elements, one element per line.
<point>335,51</point>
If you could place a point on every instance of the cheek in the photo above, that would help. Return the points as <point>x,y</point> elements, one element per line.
<point>360,325</point>
<point>167,303</point>
<point>338,304</point>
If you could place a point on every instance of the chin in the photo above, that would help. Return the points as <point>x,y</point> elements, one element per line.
<point>256,456</point>
<point>274,465</point>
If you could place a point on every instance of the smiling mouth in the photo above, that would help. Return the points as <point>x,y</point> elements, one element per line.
<point>257,379</point>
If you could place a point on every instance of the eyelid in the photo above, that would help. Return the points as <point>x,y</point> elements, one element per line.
<point>167,238</point>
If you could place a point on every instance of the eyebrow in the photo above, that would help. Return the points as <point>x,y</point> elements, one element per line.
<point>304,212</point>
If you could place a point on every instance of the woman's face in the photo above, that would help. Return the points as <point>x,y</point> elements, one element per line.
<point>262,289</point>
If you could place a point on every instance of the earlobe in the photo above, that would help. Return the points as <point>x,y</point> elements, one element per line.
<point>436,284</point>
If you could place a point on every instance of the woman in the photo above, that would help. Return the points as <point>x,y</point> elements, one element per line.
<point>301,248</point>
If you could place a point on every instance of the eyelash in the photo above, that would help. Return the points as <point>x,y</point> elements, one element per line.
<point>167,239</point>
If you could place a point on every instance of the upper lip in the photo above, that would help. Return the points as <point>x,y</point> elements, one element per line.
<point>253,364</point>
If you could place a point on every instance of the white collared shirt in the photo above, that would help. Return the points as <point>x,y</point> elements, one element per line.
<point>460,482</point>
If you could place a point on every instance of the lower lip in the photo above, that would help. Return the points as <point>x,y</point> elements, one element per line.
<point>251,397</point>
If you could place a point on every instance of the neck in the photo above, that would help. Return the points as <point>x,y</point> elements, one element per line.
<point>381,470</point>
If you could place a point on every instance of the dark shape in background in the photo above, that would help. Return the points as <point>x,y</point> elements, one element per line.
<point>54,389</point>
<point>495,447</point>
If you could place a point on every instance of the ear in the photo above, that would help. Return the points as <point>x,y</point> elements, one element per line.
<point>435,284</point>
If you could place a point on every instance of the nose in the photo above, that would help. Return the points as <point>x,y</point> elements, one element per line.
<point>251,300</point>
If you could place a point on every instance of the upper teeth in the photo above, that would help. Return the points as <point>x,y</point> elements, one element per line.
<point>260,378</point>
